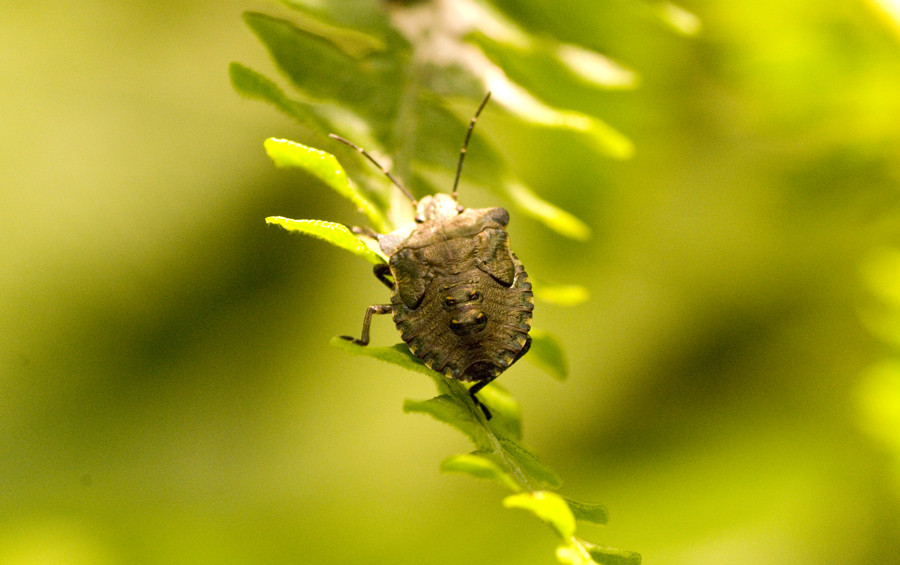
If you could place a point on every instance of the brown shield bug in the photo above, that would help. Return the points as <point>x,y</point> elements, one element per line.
<point>460,298</point>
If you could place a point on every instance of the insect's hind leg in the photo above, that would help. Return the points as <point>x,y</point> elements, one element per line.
<point>367,320</point>
<point>474,390</point>
<point>481,384</point>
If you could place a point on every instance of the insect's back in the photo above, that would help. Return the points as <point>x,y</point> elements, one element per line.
<point>462,300</point>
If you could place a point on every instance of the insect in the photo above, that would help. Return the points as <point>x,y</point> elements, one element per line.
<point>460,298</point>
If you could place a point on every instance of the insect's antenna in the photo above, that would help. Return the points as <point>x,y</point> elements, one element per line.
<point>376,163</point>
<point>462,152</point>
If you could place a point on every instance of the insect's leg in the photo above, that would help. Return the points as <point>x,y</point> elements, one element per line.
<point>366,231</point>
<point>480,385</point>
<point>382,272</point>
<point>373,309</point>
<point>474,390</point>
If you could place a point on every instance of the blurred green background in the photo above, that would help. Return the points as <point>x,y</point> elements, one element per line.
<point>168,394</point>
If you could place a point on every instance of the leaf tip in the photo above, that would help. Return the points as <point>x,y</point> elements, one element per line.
<point>548,354</point>
<point>549,507</point>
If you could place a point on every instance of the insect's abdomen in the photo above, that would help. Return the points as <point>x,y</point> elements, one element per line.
<point>469,325</point>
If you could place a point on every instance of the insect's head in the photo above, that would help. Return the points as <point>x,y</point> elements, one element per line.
<point>437,206</point>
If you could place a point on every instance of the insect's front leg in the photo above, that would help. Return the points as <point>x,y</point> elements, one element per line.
<point>383,273</point>
<point>365,231</point>
<point>373,309</point>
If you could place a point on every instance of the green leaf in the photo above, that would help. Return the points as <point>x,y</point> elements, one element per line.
<point>555,218</point>
<point>335,234</point>
<point>507,412</point>
<point>574,554</point>
<point>348,13</point>
<point>560,294</point>
<point>600,136</point>
<point>396,354</point>
<point>549,507</point>
<point>329,68</point>
<point>352,42</point>
<point>588,512</point>
<point>595,69</point>
<point>453,406</point>
<point>542,66</point>
<point>325,167</point>
<point>611,556</point>
<point>251,83</point>
<point>445,408</point>
<point>315,65</point>
<point>547,353</point>
<point>255,85</point>
<point>480,465</point>
<point>529,463</point>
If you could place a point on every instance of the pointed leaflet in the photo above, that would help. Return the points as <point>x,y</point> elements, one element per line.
<point>449,410</point>
<point>479,464</point>
<point>507,420</point>
<point>574,554</point>
<point>335,234</point>
<point>343,14</point>
<point>555,218</point>
<point>316,66</point>
<point>539,64</point>
<point>353,42</point>
<point>251,83</point>
<point>612,556</point>
<point>530,464</point>
<point>325,167</point>
<point>507,412</point>
<point>597,134</point>
<point>549,507</point>
<point>547,353</point>
<point>397,354</point>
<point>588,512</point>
<point>255,85</point>
<point>454,406</point>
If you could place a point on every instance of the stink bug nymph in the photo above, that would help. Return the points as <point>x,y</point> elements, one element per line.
<point>460,298</point>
